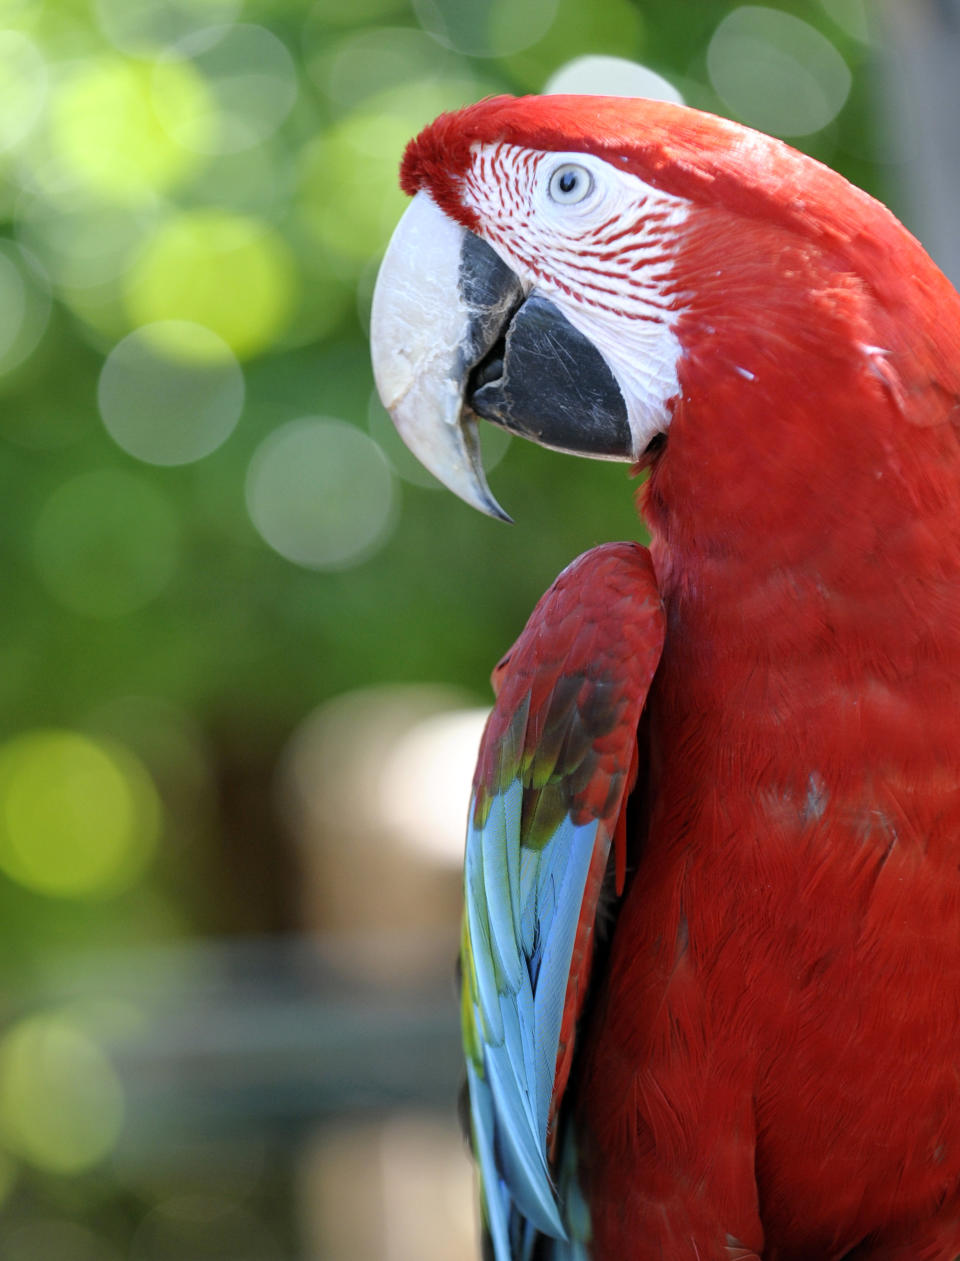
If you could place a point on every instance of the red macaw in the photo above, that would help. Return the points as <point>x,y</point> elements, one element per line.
<point>711,950</point>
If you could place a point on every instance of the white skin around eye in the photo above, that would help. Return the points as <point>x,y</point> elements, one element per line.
<point>603,259</point>
<point>601,193</point>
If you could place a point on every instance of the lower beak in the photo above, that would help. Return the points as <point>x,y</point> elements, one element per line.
<point>454,335</point>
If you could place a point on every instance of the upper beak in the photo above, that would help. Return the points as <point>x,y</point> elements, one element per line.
<point>456,335</point>
<point>426,333</point>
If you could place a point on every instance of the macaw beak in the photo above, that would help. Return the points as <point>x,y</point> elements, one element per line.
<point>455,335</point>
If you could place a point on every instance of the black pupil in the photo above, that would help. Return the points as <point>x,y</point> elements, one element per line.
<point>568,181</point>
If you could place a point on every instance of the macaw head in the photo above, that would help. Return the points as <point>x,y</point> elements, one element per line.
<point>598,274</point>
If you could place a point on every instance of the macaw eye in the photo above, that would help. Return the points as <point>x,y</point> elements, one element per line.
<point>570,183</point>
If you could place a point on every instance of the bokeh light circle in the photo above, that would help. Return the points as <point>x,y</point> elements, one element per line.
<point>140,27</point>
<point>258,181</point>
<point>322,493</point>
<point>22,13</point>
<point>425,780</point>
<point>231,273</point>
<point>371,61</point>
<point>106,543</point>
<point>611,76</point>
<point>615,27</point>
<point>252,83</point>
<point>852,16</point>
<point>61,1103</point>
<point>776,72</point>
<point>82,242</point>
<point>486,28</point>
<point>358,157</point>
<point>112,124</point>
<point>23,87</point>
<point>327,13</point>
<point>170,393</point>
<point>79,818</point>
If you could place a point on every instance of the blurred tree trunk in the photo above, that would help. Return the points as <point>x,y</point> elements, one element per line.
<point>253,873</point>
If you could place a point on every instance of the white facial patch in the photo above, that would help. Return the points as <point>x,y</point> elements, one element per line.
<point>599,243</point>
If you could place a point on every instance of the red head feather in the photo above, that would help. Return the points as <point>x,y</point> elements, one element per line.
<point>706,159</point>
<point>786,273</point>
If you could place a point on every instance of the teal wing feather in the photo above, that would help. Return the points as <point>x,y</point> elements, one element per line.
<point>557,763</point>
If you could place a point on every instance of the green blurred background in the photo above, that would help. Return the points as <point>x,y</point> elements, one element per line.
<point>244,641</point>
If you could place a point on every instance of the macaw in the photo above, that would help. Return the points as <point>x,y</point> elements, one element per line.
<point>711,945</point>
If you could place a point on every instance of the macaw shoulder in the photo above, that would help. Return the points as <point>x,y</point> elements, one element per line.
<point>593,641</point>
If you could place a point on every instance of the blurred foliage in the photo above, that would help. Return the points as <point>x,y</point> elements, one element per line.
<point>209,528</point>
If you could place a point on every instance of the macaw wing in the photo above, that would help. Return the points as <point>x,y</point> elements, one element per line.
<point>557,762</point>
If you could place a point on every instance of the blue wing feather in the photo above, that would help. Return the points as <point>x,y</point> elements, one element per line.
<point>553,778</point>
<point>522,917</point>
